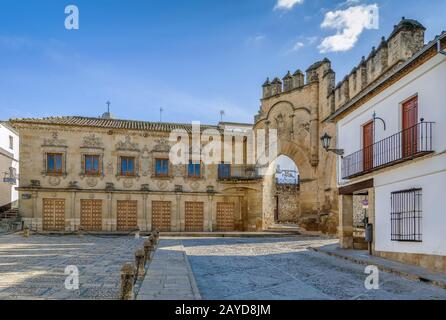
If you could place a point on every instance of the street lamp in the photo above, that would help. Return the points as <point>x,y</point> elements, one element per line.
<point>326,141</point>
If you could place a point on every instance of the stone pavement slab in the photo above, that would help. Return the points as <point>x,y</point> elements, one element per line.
<point>34,267</point>
<point>407,271</point>
<point>169,276</point>
<point>285,269</point>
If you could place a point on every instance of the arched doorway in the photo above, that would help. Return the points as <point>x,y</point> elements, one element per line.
<point>281,192</point>
<point>287,187</point>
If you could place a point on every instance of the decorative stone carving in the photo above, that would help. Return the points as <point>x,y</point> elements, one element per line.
<point>35,183</point>
<point>54,181</point>
<point>109,168</point>
<point>178,170</point>
<point>127,183</point>
<point>73,185</point>
<point>54,141</point>
<point>127,145</point>
<point>145,187</point>
<point>194,185</point>
<point>145,162</point>
<point>162,185</point>
<point>178,188</point>
<point>92,182</point>
<point>91,141</point>
<point>162,145</point>
<point>109,186</point>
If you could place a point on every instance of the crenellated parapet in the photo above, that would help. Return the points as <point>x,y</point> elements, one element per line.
<point>406,39</point>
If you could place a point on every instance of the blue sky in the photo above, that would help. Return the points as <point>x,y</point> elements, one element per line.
<point>190,57</point>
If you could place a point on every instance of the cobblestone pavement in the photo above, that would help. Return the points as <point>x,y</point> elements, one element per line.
<point>265,268</point>
<point>34,268</point>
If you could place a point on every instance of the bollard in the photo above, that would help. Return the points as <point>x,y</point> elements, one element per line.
<point>139,263</point>
<point>152,240</point>
<point>127,279</point>
<point>26,232</point>
<point>148,249</point>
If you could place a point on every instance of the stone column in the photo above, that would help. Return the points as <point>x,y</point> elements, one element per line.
<point>34,211</point>
<point>210,215</point>
<point>110,211</point>
<point>346,221</point>
<point>149,214</point>
<point>73,211</point>
<point>179,225</point>
<point>144,212</point>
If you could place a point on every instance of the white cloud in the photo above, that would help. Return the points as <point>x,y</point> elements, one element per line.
<point>287,4</point>
<point>349,23</point>
<point>255,40</point>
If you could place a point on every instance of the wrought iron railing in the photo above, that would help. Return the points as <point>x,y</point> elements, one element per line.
<point>404,145</point>
<point>237,172</point>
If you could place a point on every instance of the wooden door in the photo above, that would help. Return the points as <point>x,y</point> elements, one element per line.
<point>161,215</point>
<point>410,130</point>
<point>225,216</point>
<point>127,215</point>
<point>91,215</point>
<point>194,212</point>
<point>367,141</point>
<point>53,214</point>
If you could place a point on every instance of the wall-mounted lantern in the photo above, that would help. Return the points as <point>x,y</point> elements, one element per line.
<point>326,141</point>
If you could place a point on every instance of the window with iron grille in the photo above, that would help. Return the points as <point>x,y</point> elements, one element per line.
<point>406,215</point>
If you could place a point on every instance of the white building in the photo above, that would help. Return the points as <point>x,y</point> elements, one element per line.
<point>9,166</point>
<point>393,135</point>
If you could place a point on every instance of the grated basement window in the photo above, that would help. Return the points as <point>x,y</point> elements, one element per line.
<point>406,215</point>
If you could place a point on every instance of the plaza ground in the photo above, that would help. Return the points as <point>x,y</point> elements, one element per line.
<point>193,268</point>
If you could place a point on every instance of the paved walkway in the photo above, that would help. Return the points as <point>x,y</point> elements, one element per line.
<point>169,276</point>
<point>405,270</point>
<point>34,267</point>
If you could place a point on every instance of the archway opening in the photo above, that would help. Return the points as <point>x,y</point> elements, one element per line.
<point>281,192</point>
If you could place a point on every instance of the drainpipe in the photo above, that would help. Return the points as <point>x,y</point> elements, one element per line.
<point>439,48</point>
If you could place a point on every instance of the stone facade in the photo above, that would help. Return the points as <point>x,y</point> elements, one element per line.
<point>114,194</point>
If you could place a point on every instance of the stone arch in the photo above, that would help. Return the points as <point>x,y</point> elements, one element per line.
<point>306,201</point>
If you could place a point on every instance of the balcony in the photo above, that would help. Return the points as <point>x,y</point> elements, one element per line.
<point>405,145</point>
<point>227,172</point>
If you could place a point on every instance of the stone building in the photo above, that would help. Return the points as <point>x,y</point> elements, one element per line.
<point>115,175</point>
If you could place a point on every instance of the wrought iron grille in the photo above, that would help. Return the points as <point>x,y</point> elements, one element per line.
<point>406,215</point>
<point>404,145</point>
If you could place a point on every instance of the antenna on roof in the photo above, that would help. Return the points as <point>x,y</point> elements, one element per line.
<point>161,114</point>
<point>108,103</point>
<point>222,113</point>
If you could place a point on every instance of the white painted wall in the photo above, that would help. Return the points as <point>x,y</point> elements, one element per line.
<point>429,173</point>
<point>5,133</point>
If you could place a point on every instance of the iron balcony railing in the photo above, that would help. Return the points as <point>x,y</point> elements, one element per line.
<point>402,146</point>
<point>237,172</point>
